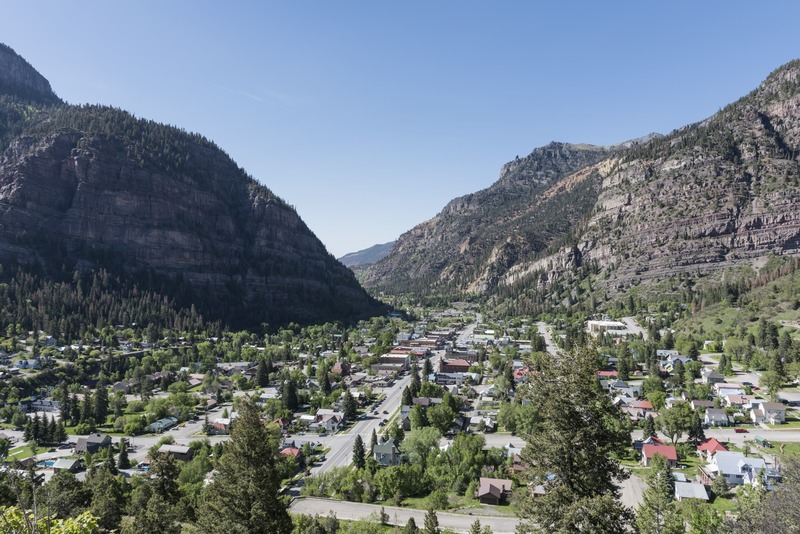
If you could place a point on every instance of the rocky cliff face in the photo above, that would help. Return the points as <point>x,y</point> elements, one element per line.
<point>478,237</point>
<point>90,187</point>
<point>706,197</point>
<point>709,196</point>
<point>19,78</point>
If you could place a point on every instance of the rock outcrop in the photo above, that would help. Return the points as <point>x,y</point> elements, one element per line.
<point>706,197</point>
<point>92,187</point>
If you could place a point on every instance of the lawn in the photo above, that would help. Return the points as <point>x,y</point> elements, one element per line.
<point>22,452</point>
<point>791,422</point>
<point>789,448</point>
<point>724,504</point>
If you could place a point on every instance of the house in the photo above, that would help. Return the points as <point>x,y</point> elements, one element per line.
<point>709,447</point>
<point>162,425</point>
<point>733,466</point>
<point>739,401</point>
<point>716,417</point>
<point>773,413</point>
<point>494,490</point>
<point>489,425</point>
<point>690,490</point>
<point>667,451</point>
<point>701,404</point>
<point>386,453</point>
<point>92,443</point>
<point>712,377</point>
<point>179,452</point>
<point>220,425</point>
<point>67,464</point>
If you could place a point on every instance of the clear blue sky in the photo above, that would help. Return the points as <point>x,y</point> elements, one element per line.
<point>369,116</point>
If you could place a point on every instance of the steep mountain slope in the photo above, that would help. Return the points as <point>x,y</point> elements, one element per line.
<point>478,237</point>
<point>367,256</point>
<point>87,188</point>
<point>709,196</point>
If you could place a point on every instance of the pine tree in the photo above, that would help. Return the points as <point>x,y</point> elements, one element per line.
<point>61,433</point>
<point>289,395</point>
<point>373,440</point>
<point>244,495</point>
<point>349,407</point>
<point>696,432</point>
<point>262,376</point>
<point>411,527</point>
<point>431,522</point>
<point>358,453</point>
<point>124,461</point>
<point>108,501</point>
<point>658,514</point>
<point>407,399</point>
<point>648,427</point>
<point>570,449</point>
<point>100,404</point>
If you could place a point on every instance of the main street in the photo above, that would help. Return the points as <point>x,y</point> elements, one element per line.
<point>341,445</point>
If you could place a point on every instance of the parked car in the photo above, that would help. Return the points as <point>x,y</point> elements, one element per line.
<point>739,430</point>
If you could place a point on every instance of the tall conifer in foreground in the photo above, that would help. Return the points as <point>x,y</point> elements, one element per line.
<point>244,494</point>
<point>569,448</point>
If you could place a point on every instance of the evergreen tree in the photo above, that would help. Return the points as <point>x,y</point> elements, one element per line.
<point>349,406</point>
<point>431,522</point>
<point>100,404</point>
<point>696,432</point>
<point>75,409</point>
<point>244,495</point>
<point>123,460</point>
<point>87,408</point>
<point>427,368</point>
<point>107,499</point>
<point>61,433</point>
<point>373,440</point>
<point>289,395</point>
<point>411,527</point>
<point>407,399</point>
<point>623,369</point>
<point>358,453</point>
<point>415,384</point>
<point>262,376</point>
<point>648,427</point>
<point>570,449</point>
<point>658,514</point>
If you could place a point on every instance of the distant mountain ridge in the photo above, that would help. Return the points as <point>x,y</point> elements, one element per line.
<point>477,237</point>
<point>86,188</point>
<point>711,195</point>
<point>367,256</point>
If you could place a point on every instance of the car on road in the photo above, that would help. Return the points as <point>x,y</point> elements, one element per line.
<point>386,412</point>
<point>740,430</point>
<point>747,383</point>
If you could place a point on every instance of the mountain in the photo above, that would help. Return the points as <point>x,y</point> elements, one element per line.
<point>476,238</point>
<point>88,188</point>
<point>367,256</point>
<point>719,193</point>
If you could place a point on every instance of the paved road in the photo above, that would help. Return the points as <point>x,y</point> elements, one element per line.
<point>341,445</point>
<point>547,334</point>
<point>399,516</point>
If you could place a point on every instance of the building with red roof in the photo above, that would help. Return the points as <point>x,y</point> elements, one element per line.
<point>454,366</point>
<point>667,451</point>
<point>709,447</point>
